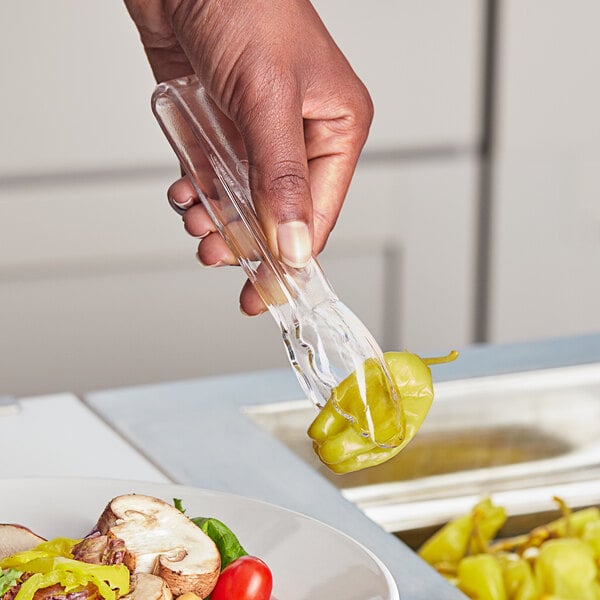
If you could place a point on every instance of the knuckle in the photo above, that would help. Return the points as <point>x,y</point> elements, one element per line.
<point>369,108</point>
<point>284,189</point>
<point>288,180</point>
<point>362,109</point>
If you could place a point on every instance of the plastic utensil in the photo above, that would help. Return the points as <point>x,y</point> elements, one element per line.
<point>324,340</point>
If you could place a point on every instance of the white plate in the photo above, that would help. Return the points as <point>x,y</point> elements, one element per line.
<point>309,560</point>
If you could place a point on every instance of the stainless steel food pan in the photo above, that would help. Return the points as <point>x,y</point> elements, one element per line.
<point>520,437</point>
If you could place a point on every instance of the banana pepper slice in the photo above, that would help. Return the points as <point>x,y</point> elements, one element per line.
<point>342,445</point>
<point>51,563</point>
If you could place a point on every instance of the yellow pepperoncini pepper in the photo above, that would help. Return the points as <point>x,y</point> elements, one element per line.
<point>591,536</point>
<point>480,577</point>
<point>558,560</point>
<point>466,534</point>
<point>341,443</point>
<point>51,563</point>
<point>518,577</point>
<point>565,568</point>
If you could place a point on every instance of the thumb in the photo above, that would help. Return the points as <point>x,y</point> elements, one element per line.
<point>273,133</point>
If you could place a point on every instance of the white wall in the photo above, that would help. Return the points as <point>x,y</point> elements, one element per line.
<point>546,234</point>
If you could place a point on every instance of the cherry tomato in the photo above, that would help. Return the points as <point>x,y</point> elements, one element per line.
<point>246,578</point>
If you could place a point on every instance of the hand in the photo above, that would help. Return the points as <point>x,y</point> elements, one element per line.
<point>271,67</point>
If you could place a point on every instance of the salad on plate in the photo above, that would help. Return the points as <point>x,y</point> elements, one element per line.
<point>142,548</point>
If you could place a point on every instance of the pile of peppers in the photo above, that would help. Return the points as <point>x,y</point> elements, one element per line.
<point>340,442</point>
<point>558,561</point>
<point>52,563</point>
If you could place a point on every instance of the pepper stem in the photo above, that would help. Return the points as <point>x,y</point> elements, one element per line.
<point>565,509</point>
<point>438,360</point>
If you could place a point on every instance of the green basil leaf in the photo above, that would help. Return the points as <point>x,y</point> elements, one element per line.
<point>178,504</point>
<point>227,543</point>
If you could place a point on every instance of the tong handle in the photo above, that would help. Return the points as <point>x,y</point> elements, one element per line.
<point>324,340</point>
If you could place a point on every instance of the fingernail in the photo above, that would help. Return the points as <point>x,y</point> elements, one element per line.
<point>181,207</point>
<point>294,244</point>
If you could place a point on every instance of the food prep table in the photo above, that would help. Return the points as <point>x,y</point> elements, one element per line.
<point>200,433</point>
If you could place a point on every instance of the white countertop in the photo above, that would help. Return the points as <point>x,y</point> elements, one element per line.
<point>59,436</point>
<point>166,433</point>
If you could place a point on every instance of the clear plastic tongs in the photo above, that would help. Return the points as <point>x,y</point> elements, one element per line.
<point>324,340</point>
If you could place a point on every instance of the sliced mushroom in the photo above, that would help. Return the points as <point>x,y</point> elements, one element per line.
<point>16,538</point>
<point>161,540</point>
<point>148,587</point>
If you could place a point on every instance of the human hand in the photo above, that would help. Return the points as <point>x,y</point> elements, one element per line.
<point>272,68</point>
